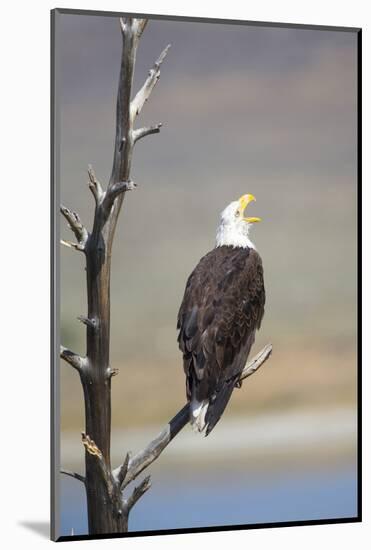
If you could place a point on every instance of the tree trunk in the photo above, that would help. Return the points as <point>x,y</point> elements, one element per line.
<point>96,383</point>
<point>105,514</point>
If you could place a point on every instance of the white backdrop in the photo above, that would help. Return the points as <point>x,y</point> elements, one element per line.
<point>24,400</point>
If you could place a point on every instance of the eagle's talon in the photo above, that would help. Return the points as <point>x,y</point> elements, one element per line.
<point>238,384</point>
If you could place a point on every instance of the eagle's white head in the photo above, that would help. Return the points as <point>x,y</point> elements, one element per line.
<point>233,229</point>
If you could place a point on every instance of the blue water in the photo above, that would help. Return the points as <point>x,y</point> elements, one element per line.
<point>230,500</point>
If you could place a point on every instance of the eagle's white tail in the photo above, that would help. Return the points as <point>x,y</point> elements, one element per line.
<point>198,413</point>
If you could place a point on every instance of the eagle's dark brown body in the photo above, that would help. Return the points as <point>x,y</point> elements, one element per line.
<point>222,308</point>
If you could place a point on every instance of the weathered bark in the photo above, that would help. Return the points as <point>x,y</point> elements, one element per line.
<point>104,512</point>
<point>108,510</point>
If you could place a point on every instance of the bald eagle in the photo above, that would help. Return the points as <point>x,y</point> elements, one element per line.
<point>222,307</point>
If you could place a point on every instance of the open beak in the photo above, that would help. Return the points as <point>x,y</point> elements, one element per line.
<point>243,202</point>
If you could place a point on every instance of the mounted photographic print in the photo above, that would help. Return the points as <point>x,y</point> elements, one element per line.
<point>204,212</point>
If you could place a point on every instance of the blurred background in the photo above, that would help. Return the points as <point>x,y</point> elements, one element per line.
<point>268,111</point>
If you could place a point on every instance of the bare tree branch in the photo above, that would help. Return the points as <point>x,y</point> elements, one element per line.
<point>125,112</point>
<point>75,246</point>
<point>142,132</point>
<point>141,25</point>
<point>75,225</point>
<point>123,469</point>
<point>114,191</point>
<point>92,323</point>
<point>138,492</point>
<point>123,143</point>
<point>111,372</point>
<point>73,359</point>
<point>74,475</point>
<point>144,93</point>
<point>94,185</point>
<point>123,25</point>
<point>144,458</point>
<point>256,362</point>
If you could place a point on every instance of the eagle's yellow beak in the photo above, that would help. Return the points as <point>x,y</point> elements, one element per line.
<point>243,202</point>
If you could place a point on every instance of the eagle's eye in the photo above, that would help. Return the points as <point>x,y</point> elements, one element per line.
<point>237,214</point>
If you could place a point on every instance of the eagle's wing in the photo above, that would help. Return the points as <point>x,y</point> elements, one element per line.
<point>223,306</point>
